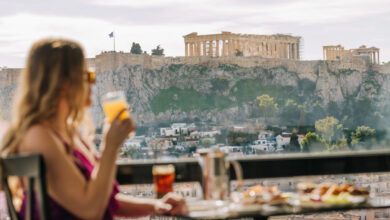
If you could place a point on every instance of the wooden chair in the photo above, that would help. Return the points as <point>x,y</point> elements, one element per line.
<point>31,167</point>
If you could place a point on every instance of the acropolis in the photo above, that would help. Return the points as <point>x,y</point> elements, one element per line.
<point>228,43</point>
<point>339,53</point>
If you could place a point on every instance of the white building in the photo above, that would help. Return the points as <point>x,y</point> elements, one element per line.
<point>283,139</point>
<point>168,132</point>
<point>232,150</point>
<point>265,134</point>
<point>262,148</point>
<point>177,129</point>
<point>210,133</point>
<point>136,141</point>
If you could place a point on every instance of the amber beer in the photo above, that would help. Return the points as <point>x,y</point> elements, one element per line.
<point>163,178</point>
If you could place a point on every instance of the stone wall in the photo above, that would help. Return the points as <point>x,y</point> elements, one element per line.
<point>110,61</point>
<point>9,76</point>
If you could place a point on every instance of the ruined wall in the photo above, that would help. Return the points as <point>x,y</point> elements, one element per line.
<point>110,61</point>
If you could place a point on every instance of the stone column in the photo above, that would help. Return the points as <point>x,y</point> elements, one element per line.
<point>190,49</point>
<point>195,49</point>
<point>298,54</point>
<point>204,48</point>
<point>230,47</point>
<point>198,48</point>
<point>224,47</point>
<point>294,50</point>
<point>186,49</point>
<point>378,58</point>
<point>323,54</point>
<point>210,48</point>
<point>217,48</point>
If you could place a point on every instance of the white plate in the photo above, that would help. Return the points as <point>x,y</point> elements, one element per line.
<point>205,205</point>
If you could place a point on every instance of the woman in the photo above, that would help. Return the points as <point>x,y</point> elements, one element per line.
<point>54,90</point>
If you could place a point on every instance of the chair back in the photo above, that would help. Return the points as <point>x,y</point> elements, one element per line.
<point>31,167</point>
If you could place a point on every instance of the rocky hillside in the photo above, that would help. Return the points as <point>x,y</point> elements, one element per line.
<point>226,94</point>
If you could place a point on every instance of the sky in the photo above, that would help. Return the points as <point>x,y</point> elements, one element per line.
<point>351,23</point>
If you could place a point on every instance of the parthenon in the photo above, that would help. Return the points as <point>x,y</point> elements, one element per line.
<point>227,44</point>
<point>339,53</point>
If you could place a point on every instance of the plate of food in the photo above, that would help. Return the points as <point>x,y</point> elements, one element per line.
<point>330,195</point>
<point>260,195</point>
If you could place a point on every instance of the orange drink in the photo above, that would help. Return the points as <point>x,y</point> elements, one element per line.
<point>163,178</point>
<point>111,109</point>
<point>113,103</point>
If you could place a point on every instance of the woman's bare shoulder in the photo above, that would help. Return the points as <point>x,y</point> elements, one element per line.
<point>38,138</point>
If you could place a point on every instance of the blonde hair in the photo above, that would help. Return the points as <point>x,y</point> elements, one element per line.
<point>50,63</point>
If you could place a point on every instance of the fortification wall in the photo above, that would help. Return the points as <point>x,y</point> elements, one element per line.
<point>9,76</point>
<point>110,61</point>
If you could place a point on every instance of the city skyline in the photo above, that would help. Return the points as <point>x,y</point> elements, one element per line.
<point>152,23</point>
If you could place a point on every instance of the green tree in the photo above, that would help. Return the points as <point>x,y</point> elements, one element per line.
<point>205,142</point>
<point>363,136</point>
<point>221,138</point>
<point>135,48</point>
<point>267,105</point>
<point>240,138</point>
<point>158,51</point>
<point>294,145</point>
<point>312,143</point>
<point>330,129</point>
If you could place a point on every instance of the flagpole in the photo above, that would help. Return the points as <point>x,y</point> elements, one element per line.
<point>114,42</point>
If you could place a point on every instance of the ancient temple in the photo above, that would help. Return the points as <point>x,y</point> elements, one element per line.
<point>227,44</point>
<point>339,53</point>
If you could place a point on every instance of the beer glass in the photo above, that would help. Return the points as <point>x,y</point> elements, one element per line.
<point>163,178</point>
<point>113,103</point>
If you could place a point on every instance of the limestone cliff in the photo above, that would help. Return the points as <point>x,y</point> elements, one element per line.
<point>226,93</point>
<point>223,90</point>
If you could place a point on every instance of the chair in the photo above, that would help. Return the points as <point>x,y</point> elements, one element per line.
<point>32,167</point>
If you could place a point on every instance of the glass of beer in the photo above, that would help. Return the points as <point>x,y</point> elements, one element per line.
<point>163,178</point>
<point>113,103</point>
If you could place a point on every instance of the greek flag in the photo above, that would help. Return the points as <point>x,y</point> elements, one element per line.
<point>111,34</point>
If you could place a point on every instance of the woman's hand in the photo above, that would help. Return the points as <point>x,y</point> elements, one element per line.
<point>119,130</point>
<point>172,204</point>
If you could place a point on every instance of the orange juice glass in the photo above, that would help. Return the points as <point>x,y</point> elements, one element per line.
<point>113,103</point>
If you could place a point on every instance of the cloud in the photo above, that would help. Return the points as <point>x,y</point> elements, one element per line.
<point>154,22</point>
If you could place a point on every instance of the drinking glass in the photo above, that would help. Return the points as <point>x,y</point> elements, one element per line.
<point>113,103</point>
<point>163,178</point>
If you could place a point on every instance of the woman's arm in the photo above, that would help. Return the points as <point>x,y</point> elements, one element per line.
<point>86,199</point>
<point>136,207</point>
